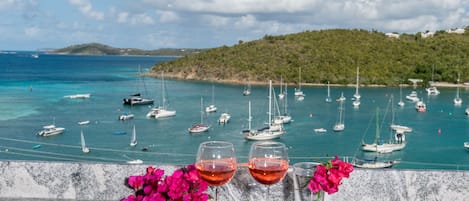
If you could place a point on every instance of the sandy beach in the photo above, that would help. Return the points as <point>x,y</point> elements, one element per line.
<point>181,76</point>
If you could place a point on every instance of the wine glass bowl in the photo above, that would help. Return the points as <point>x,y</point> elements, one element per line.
<point>216,162</point>
<point>268,162</point>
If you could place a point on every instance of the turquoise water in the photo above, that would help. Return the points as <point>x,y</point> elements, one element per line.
<point>33,89</point>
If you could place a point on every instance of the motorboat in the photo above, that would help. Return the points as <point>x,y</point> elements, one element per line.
<point>413,96</point>
<point>135,99</point>
<point>124,117</point>
<point>432,90</point>
<point>211,108</point>
<point>420,106</point>
<point>320,130</point>
<point>50,130</point>
<point>466,145</point>
<point>224,118</point>
<point>135,162</point>
<point>82,123</point>
<point>78,96</point>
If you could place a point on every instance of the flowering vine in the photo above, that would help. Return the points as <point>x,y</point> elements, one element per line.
<point>328,176</point>
<point>183,185</point>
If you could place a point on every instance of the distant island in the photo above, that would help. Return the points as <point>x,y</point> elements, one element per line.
<point>101,49</point>
<point>385,59</point>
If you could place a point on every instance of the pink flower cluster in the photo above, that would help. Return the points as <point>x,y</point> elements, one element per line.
<point>183,185</point>
<point>328,177</point>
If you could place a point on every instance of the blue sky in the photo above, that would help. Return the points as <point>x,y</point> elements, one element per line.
<point>154,24</point>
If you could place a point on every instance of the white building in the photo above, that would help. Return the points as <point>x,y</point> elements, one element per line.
<point>392,35</point>
<point>456,31</point>
<point>427,34</point>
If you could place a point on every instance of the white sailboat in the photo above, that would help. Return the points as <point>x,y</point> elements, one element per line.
<point>283,118</point>
<point>340,126</point>
<point>199,127</point>
<point>328,98</point>
<point>83,144</point>
<point>373,163</point>
<point>133,140</point>
<point>357,95</point>
<point>400,103</point>
<point>432,90</point>
<point>281,94</point>
<point>212,107</point>
<point>272,131</point>
<point>457,100</point>
<point>341,98</point>
<point>247,89</point>
<point>162,111</point>
<point>298,92</point>
<point>386,147</point>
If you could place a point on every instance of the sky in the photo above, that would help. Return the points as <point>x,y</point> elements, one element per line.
<point>155,24</point>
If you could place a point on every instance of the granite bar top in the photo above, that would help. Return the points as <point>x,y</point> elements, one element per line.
<point>37,180</point>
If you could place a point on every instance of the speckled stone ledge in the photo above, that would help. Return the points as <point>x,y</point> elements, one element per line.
<point>29,180</point>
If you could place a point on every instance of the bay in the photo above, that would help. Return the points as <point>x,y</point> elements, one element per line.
<point>33,89</point>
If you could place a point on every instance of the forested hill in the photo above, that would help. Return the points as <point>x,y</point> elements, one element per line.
<point>100,49</point>
<point>330,55</point>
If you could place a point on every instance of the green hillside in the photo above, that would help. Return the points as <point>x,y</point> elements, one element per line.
<point>330,55</point>
<point>100,49</point>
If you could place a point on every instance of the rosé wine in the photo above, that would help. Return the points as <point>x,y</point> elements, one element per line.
<point>216,172</point>
<point>268,171</point>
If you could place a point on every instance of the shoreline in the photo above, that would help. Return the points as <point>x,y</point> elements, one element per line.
<point>276,83</point>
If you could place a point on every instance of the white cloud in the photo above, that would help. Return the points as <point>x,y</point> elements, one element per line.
<point>86,9</point>
<point>135,19</point>
<point>31,31</point>
<point>168,16</point>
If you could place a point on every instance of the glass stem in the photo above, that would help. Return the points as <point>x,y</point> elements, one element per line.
<point>216,193</point>
<point>267,196</point>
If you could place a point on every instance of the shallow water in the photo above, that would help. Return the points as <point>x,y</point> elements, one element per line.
<point>33,89</point>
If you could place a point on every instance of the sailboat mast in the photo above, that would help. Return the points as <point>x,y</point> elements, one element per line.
<point>328,90</point>
<point>201,111</point>
<point>270,102</point>
<point>163,94</point>
<point>286,98</point>
<point>213,94</point>
<point>377,126</point>
<point>250,117</point>
<point>356,88</point>
<point>299,79</point>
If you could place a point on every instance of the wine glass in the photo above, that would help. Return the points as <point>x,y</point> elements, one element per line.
<point>216,163</point>
<point>303,172</point>
<point>268,163</point>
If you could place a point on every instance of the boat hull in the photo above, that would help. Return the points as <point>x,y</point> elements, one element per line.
<point>383,148</point>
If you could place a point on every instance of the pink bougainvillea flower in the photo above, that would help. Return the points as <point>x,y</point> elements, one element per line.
<point>183,185</point>
<point>136,182</point>
<point>327,177</point>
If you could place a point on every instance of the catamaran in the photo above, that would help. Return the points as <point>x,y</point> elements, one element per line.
<point>162,111</point>
<point>137,99</point>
